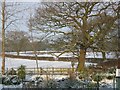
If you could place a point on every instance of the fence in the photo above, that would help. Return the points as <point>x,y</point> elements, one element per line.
<point>48,71</point>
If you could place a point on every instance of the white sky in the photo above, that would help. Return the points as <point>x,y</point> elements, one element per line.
<point>23,16</point>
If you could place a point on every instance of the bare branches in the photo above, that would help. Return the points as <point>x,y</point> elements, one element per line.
<point>81,17</point>
<point>12,13</point>
<point>10,23</point>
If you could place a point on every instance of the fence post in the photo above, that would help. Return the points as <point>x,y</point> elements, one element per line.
<point>41,71</point>
<point>68,71</point>
<point>60,71</point>
<point>34,70</point>
<point>114,82</point>
<point>52,70</point>
<point>118,79</point>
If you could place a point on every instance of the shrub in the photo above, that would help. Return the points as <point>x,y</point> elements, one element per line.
<point>97,78</point>
<point>51,84</point>
<point>21,72</point>
<point>109,77</point>
<point>12,72</point>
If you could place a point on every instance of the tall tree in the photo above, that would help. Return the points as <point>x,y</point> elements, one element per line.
<point>9,13</point>
<point>87,22</point>
<point>3,37</point>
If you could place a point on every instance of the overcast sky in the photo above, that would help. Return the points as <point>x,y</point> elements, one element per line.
<point>23,16</point>
<point>32,4</point>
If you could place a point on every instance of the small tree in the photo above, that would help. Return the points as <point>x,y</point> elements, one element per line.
<point>21,72</point>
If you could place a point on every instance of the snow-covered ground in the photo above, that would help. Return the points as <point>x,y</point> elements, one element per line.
<point>15,63</point>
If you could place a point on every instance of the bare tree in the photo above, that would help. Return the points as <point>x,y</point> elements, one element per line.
<point>87,22</point>
<point>9,17</point>
<point>3,37</point>
<point>34,43</point>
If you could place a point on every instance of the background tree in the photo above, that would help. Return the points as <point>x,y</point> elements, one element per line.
<point>43,45</point>
<point>60,43</point>
<point>16,41</point>
<point>0,46</point>
<point>86,23</point>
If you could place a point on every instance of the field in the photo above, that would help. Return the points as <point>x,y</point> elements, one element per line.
<point>16,62</point>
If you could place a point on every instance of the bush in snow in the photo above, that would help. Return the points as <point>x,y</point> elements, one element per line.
<point>15,80</point>
<point>11,72</point>
<point>51,83</point>
<point>112,70</point>
<point>110,77</point>
<point>97,78</point>
<point>34,82</point>
<point>38,82</point>
<point>6,81</point>
<point>10,80</point>
<point>71,83</point>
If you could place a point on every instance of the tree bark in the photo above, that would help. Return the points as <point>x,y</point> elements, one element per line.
<point>81,61</point>
<point>103,55</point>
<point>18,53</point>
<point>3,37</point>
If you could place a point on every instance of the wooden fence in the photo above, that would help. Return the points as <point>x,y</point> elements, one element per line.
<point>48,71</point>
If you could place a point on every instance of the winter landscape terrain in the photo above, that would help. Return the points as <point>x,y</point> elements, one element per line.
<point>59,44</point>
<point>17,62</point>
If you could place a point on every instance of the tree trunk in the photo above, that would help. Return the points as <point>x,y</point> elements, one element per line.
<point>81,61</point>
<point>103,55</point>
<point>18,53</point>
<point>3,37</point>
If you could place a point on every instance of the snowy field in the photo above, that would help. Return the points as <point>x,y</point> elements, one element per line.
<point>15,63</point>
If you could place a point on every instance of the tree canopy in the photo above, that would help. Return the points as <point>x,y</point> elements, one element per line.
<point>88,23</point>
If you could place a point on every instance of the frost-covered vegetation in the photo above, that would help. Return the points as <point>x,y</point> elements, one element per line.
<point>40,82</point>
<point>19,79</point>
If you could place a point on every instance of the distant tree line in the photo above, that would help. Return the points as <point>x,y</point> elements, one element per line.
<point>17,41</point>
